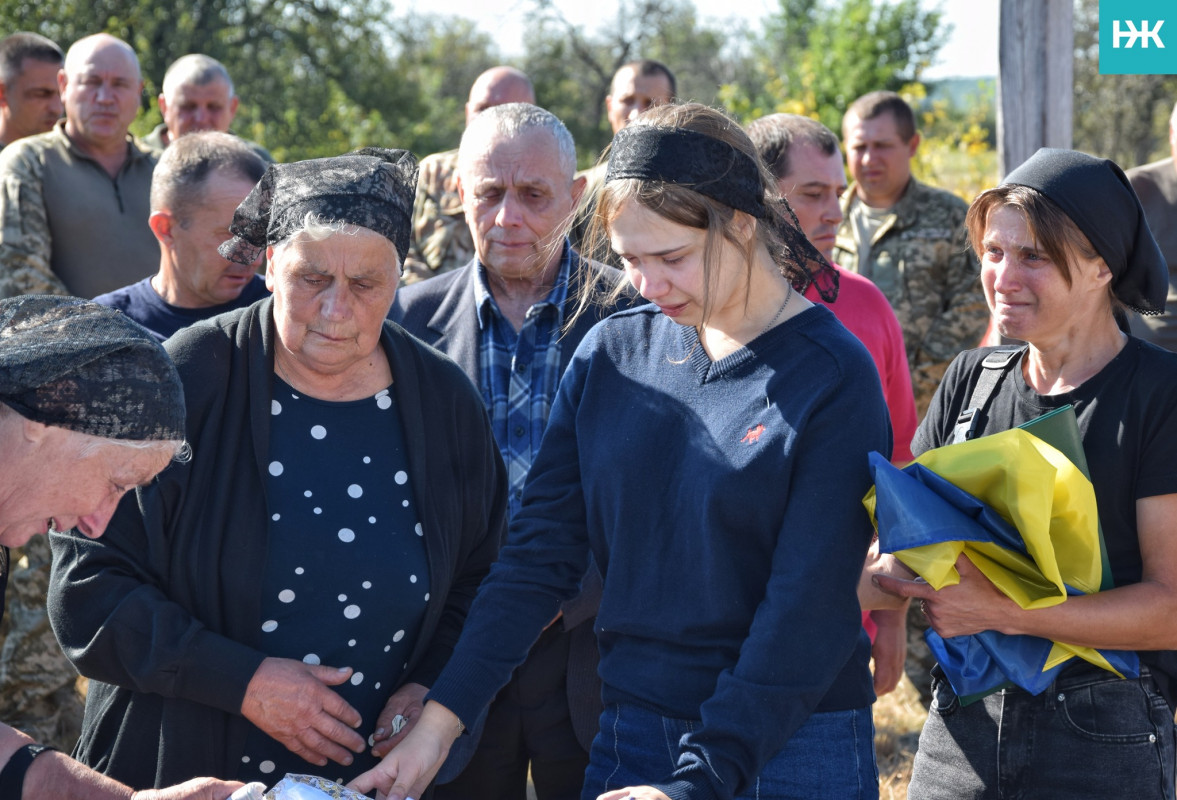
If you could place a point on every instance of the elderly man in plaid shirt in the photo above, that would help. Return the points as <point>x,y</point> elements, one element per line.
<point>502,317</point>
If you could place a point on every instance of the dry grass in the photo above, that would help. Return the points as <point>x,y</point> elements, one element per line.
<point>898,719</point>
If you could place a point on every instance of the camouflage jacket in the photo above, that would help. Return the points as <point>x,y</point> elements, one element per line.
<point>441,239</point>
<point>67,226</point>
<point>921,261</point>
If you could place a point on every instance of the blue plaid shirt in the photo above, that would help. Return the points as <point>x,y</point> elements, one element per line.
<point>520,371</point>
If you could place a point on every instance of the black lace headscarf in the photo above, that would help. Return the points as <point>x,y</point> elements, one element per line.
<point>87,368</point>
<point>717,170</point>
<point>372,188</point>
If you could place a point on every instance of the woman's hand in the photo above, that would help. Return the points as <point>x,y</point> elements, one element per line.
<point>407,702</point>
<point>969,607</point>
<point>408,769</point>
<point>294,703</point>
<point>638,792</point>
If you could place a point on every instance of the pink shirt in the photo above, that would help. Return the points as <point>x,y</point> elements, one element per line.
<point>865,312</point>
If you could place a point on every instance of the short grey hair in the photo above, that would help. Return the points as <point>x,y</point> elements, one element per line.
<point>514,119</point>
<point>195,69</point>
<point>315,228</point>
<point>89,445</point>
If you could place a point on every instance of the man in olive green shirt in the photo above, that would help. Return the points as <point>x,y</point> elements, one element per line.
<point>75,201</point>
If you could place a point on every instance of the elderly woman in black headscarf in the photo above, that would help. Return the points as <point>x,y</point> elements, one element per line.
<point>273,603</point>
<point>90,407</point>
<point>1064,247</point>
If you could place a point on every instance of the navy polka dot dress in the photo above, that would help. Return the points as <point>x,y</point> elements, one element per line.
<point>346,579</point>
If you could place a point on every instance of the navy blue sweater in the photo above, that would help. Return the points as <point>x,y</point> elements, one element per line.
<point>723,504</point>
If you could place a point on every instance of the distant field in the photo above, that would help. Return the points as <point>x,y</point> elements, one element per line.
<point>965,174</point>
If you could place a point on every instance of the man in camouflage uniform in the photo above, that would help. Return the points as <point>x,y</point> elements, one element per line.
<point>441,238</point>
<point>910,239</point>
<point>74,202</point>
<point>38,693</point>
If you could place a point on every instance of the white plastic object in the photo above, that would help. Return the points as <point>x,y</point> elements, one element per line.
<point>250,791</point>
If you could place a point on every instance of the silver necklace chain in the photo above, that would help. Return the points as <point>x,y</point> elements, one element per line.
<point>779,311</point>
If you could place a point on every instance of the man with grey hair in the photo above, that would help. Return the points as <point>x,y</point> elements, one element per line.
<point>198,95</point>
<point>441,241</point>
<point>198,184</point>
<point>1156,186</point>
<point>501,317</point>
<point>29,100</point>
<point>74,207</point>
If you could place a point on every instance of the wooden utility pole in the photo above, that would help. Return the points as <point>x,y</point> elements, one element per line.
<point>1034,78</point>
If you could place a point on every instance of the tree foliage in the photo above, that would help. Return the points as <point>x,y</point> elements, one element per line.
<point>320,77</point>
<point>572,68</point>
<point>817,56</point>
<point>1121,117</point>
<point>316,77</point>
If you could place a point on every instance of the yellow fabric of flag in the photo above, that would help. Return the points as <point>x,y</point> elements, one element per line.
<point>1046,498</point>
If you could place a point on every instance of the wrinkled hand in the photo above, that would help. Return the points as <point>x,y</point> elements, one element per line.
<point>969,607</point>
<point>641,792</point>
<point>889,649</point>
<point>293,702</point>
<point>407,701</point>
<point>195,789</point>
<point>408,769</point>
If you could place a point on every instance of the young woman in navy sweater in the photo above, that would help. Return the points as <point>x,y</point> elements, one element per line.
<point>709,451</point>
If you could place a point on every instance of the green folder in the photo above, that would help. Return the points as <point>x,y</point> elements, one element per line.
<point>1060,430</point>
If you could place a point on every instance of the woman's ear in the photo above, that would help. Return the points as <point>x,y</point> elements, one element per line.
<point>745,225</point>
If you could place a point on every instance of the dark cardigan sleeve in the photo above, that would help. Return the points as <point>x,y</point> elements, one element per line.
<point>116,624</point>
<point>124,607</point>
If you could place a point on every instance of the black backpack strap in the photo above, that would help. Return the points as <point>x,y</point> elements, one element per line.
<point>996,364</point>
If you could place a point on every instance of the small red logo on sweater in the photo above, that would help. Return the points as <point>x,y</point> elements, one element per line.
<point>753,435</point>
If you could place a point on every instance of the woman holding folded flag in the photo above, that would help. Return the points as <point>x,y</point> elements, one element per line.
<point>1065,250</point>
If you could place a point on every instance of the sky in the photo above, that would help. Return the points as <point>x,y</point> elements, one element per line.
<point>971,51</point>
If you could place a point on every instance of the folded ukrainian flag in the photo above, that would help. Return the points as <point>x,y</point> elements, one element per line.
<point>1024,513</point>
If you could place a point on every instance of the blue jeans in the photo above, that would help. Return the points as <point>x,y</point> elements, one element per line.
<point>1090,735</point>
<point>831,756</point>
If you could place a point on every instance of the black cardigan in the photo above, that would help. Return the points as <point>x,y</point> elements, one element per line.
<point>163,612</point>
